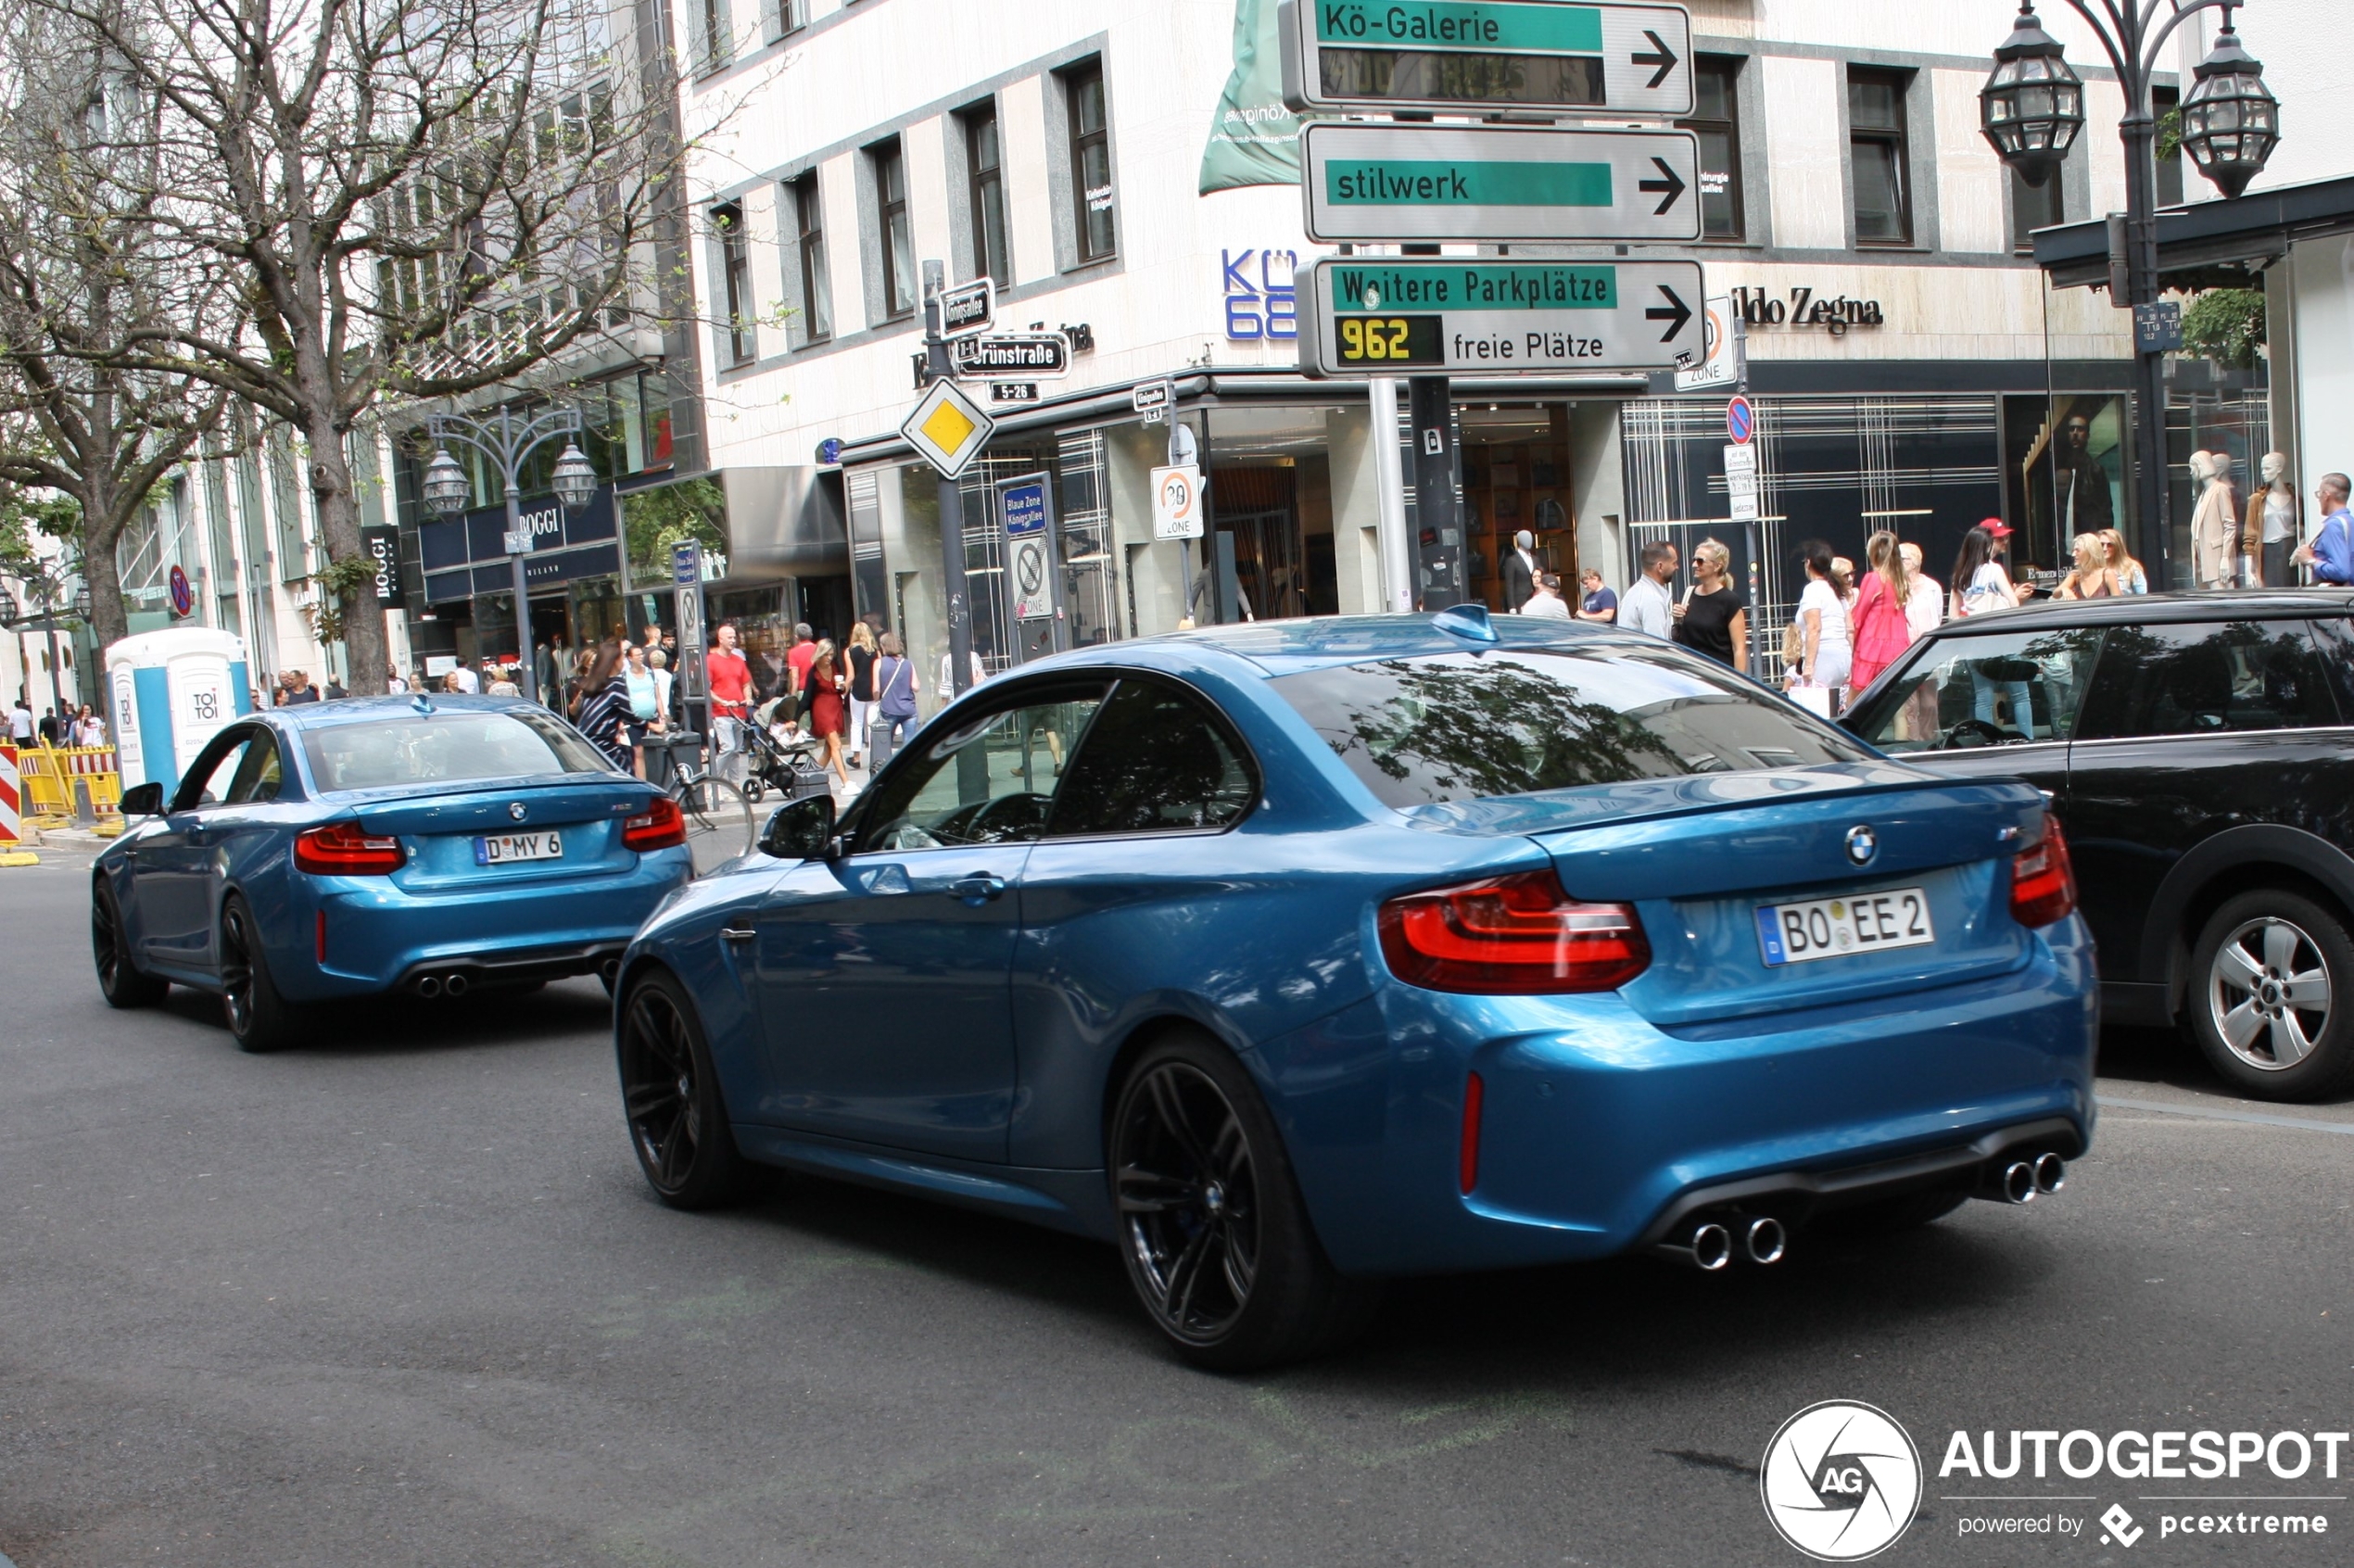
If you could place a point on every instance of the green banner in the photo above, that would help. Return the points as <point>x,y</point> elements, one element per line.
<point>1448,182</point>
<point>1254,140</point>
<point>1460,24</point>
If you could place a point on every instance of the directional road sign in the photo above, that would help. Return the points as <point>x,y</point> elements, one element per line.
<point>1388,316</point>
<point>1044,355</point>
<point>1444,55</point>
<point>947,428</point>
<point>969,307</point>
<point>1390,181</point>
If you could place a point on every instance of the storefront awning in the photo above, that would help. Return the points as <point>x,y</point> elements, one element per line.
<point>2253,228</point>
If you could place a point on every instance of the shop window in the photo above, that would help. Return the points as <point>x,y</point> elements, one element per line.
<point>1880,161</point>
<point>987,194</point>
<point>1717,122</point>
<point>2165,101</point>
<point>2034,207</point>
<point>735,267</point>
<point>809,245</point>
<point>1091,190</point>
<point>891,229</point>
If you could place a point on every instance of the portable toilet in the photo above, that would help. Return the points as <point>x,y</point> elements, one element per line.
<point>173,690</point>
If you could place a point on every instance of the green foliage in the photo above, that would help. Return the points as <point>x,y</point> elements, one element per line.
<point>339,582</point>
<point>25,514</point>
<point>2170,134</point>
<point>2226,325</point>
<point>652,521</point>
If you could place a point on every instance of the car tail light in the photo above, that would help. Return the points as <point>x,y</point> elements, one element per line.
<point>662,826</point>
<point>340,849</point>
<point>1475,1096</point>
<point>2043,882</point>
<point>1518,935</point>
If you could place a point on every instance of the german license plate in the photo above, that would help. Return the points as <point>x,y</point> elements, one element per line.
<point>497,849</point>
<point>1836,928</point>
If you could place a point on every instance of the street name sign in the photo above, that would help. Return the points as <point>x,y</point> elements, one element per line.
<point>947,428</point>
<point>969,307</point>
<point>1039,357</point>
<point>1387,183</point>
<point>1486,54</point>
<point>1153,400</point>
<point>1386,317</point>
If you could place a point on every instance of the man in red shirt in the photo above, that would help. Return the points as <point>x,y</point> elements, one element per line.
<point>730,679</point>
<point>798,658</point>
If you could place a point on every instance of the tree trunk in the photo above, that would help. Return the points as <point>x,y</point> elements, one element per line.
<point>102,575</point>
<point>365,646</point>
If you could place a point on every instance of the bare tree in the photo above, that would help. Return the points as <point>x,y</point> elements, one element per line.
<point>87,270</point>
<point>421,198</point>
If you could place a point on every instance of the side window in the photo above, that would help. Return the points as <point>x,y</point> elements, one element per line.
<point>257,775</point>
<point>1990,689</point>
<point>2207,678</point>
<point>989,780</point>
<point>215,773</point>
<point>1157,760</point>
<point>2333,640</point>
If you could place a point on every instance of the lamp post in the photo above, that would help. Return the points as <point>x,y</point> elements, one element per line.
<point>509,442</point>
<point>2032,108</point>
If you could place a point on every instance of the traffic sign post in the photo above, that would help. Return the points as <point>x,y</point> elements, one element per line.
<point>951,431</point>
<point>1726,363</point>
<point>1177,503</point>
<point>947,428</point>
<point>1407,181</point>
<point>1043,356</point>
<point>1741,421</point>
<point>1385,317</point>
<point>1025,509</point>
<point>1486,54</point>
<point>969,307</point>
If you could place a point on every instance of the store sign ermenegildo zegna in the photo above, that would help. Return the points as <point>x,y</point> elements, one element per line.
<point>1804,308</point>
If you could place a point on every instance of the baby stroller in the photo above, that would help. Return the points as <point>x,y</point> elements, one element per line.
<point>793,768</point>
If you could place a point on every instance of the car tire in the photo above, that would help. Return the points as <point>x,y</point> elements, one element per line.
<point>120,980</point>
<point>260,1020</point>
<point>671,1099</point>
<point>1216,1238</point>
<point>2270,1000</point>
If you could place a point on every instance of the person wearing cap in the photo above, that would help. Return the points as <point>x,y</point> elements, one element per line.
<point>1980,583</point>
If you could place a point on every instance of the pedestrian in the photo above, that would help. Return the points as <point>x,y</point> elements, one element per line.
<point>1599,604</point>
<point>395,682</point>
<point>298,688</point>
<point>576,684</point>
<point>604,705</point>
<point>645,703</point>
<point>462,679</point>
<point>1884,605</point>
<point>94,727</point>
<point>797,662</point>
<point>2130,577</point>
<point>729,678</point>
<point>2331,551</point>
<point>1980,585</point>
<point>824,705</point>
<point>1545,598</point>
<point>948,669</point>
<point>20,722</point>
<point>861,654</point>
<point>50,728</point>
<point>2092,577</point>
<point>1925,604</point>
<point>1714,618</point>
<point>1647,606</point>
<point>896,691</point>
<point>1828,649</point>
<point>1520,572</point>
<point>335,692</point>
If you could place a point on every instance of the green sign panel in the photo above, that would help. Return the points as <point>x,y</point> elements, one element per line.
<point>1462,24</point>
<point>1344,54</point>
<point>1380,183</point>
<point>1365,182</point>
<point>1497,318</point>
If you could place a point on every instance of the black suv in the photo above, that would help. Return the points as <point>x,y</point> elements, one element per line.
<point>2199,753</point>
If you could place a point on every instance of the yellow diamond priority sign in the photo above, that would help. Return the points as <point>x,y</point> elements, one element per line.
<point>948,428</point>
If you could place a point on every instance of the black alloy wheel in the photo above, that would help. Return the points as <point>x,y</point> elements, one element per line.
<point>1216,1238</point>
<point>259,1018</point>
<point>119,980</point>
<point>678,1120</point>
<point>2270,998</point>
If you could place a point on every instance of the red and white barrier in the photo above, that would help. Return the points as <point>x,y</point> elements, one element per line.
<point>11,813</point>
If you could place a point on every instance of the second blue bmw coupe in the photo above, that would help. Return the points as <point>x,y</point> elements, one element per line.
<point>1290,957</point>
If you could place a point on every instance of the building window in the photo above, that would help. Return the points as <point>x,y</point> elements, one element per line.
<point>1881,166</point>
<point>1091,162</point>
<point>718,42</point>
<point>1717,121</point>
<point>2033,208</point>
<point>2166,101</point>
<point>898,244</point>
<point>988,195</point>
<point>817,284</point>
<point>735,265</point>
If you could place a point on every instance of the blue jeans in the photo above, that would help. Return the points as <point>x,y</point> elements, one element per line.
<point>1982,705</point>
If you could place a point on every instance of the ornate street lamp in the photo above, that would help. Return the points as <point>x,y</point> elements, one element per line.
<point>2033,105</point>
<point>7,608</point>
<point>446,487</point>
<point>82,604</point>
<point>575,482</point>
<point>2230,122</point>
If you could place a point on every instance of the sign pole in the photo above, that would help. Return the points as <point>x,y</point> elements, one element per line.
<point>1753,539</point>
<point>1436,518</point>
<point>952,506</point>
<point>1389,478</point>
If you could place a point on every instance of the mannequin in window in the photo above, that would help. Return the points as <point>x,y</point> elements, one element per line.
<point>2274,525</point>
<point>1520,572</point>
<point>2215,526</point>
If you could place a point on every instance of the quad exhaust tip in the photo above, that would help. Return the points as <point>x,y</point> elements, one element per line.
<point>1764,1241</point>
<point>1713,1245</point>
<point>451,985</point>
<point>2051,1174</point>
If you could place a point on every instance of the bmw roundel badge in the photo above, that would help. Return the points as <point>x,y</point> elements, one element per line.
<point>1863,844</point>
<point>517,810</point>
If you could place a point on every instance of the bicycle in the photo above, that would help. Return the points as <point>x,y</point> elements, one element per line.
<point>720,823</point>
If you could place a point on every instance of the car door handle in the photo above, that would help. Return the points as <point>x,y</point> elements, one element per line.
<point>737,933</point>
<point>979,888</point>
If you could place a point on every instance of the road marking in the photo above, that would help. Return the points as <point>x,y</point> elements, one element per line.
<point>2346,1128</point>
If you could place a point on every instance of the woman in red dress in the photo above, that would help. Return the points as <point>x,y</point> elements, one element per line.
<point>822,701</point>
<point>1882,631</point>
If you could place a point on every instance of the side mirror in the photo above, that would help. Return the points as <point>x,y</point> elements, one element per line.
<point>801,830</point>
<point>143,800</point>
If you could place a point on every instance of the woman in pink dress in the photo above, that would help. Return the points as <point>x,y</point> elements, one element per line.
<point>1882,632</point>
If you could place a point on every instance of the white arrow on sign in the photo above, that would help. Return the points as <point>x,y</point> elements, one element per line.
<point>1367,182</point>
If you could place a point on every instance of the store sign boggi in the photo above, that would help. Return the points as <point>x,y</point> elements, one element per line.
<point>1804,308</point>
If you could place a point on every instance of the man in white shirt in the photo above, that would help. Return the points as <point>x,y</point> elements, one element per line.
<point>1647,606</point>
<point>1546,598</point>
<point>947,671</point>
<point>20,724</point>
<point>462,679</point>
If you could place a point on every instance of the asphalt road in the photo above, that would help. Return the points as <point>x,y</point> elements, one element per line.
<point>401,1298</point>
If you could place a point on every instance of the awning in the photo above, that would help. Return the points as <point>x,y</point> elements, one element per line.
<point>2256,228</point>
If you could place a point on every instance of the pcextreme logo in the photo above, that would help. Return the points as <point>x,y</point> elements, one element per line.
<point>1841,1481</point>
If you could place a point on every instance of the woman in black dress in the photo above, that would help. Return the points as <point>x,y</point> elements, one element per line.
<point>1714,618</point>
<point>604,704</point>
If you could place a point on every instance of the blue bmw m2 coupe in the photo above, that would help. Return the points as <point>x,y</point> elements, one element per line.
<point>1292,955</point>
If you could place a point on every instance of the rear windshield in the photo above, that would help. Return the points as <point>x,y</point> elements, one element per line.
<point>454,748</point>
<point>1462,726</point>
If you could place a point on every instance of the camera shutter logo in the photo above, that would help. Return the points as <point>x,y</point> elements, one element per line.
<point>1841,1481</point>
